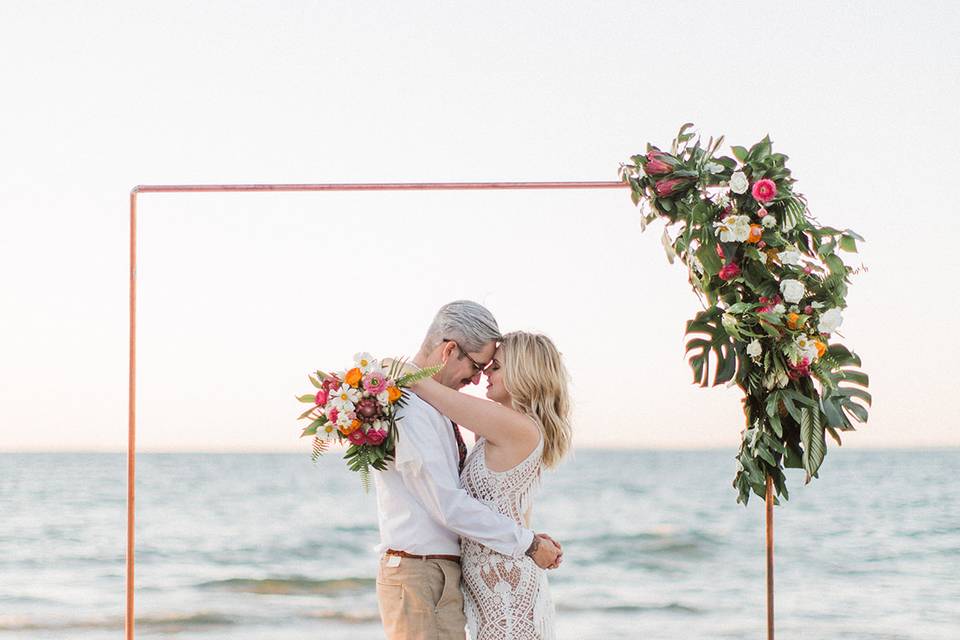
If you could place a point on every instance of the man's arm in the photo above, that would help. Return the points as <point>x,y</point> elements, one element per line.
<point>421,462</point>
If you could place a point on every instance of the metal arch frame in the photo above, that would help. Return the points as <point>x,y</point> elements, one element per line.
<point>225,188</point>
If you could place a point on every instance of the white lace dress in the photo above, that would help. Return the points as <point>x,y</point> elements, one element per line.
<point>504,598</point>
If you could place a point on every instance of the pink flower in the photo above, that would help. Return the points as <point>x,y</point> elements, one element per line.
<point>729,271</point>
<point>761,245</point>
<point>376,436</point>
<point>330,382</point>
<point>332,414</point>
<point>808,310</point>
<point>720,252</point>
<point>807,269</point>
<point>322,396</point>
<point>669,187</point>
<point>357,437</point>
<point>764,190</point>
<point>368,409</point>
<point>762,212</point>
<point>375,383</point>
<point>799,370</point>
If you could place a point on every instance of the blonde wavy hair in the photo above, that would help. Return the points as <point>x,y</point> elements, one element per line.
<point>535,378</point>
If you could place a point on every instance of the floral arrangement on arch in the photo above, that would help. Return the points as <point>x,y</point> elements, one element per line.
<point>773,288</point>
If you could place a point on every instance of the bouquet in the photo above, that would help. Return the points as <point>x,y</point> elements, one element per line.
<point>773,287</point>
<point>359,406</point>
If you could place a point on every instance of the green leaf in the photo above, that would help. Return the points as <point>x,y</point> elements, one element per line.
<point>814,444</point>
<point>311,398</point>
<point>707,254</point>
<point>740,153</point>
<point>847,243</point>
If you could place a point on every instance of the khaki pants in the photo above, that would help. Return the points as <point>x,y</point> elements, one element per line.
<point>420,599</point>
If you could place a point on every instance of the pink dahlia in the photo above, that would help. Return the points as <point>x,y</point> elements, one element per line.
<point>729,271</point>
<point>333,414</point>
<point>764,190</point>
<point>357,437</point>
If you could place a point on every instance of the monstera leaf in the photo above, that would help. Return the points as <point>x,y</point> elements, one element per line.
<point>710,336</point>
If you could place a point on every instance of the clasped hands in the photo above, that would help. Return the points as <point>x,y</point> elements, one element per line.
<point>545,551</point>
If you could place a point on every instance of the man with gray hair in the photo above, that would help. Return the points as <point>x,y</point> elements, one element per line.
<point>423,510</point>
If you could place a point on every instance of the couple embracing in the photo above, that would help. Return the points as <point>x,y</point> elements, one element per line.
<point>455,543</point>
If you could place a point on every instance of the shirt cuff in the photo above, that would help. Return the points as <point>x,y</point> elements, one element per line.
<point>526,539</point>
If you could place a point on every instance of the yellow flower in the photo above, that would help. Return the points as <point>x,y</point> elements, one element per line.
<point>353,377</point>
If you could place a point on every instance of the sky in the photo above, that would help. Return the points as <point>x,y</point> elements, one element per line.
<point>242,294</point>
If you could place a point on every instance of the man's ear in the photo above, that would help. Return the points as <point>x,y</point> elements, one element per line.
<point>447,349</point>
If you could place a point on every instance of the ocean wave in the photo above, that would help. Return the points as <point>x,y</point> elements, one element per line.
<point>170,622</point>
<point>671,607</point>
<point>295,585</point>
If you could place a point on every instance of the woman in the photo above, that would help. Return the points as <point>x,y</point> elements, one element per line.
<point>524,429</point>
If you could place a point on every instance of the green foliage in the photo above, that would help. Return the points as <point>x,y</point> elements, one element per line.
<point>798,386</point>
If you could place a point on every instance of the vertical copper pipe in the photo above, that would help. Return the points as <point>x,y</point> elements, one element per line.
<point>131,417</point>
<point>769,501</point>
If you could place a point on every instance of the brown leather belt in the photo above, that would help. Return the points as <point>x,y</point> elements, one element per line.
<point>439,556</point>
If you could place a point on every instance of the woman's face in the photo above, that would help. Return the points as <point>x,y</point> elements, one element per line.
<point>494,373</point>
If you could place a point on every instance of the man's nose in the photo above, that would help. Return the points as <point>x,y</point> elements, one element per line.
<point>476,378</point>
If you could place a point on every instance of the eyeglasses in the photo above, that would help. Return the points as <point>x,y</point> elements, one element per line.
<point>476,365</point>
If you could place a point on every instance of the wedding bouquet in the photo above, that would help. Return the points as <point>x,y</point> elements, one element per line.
<point>359,406</point>
<point>773,288</point>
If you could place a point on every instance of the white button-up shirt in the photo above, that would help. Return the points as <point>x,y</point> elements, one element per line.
<point>421,506</point>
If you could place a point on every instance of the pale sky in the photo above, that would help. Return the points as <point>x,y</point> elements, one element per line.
<point>241,295</point>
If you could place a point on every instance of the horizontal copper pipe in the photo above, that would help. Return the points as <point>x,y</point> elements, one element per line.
<point>395,186</point>
<point>225,188</point>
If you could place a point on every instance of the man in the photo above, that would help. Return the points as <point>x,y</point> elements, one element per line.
<point>422,508</point>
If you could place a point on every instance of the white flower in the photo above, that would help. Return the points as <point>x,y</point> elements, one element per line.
<point>365,362</point>
<point>790,257</point>
<point>345,398</point>
<point>792,290</point>
<point>733,228</point>
<point>769,222</point>
<point>739,183</point>
<point>830,320</point>
<point>723,199</point>
<point>779,309</point>
<point>754,349</point>
<point>383,398</point>
<point>806,348</point>
<point>345,418</point>
<point>818,305</point>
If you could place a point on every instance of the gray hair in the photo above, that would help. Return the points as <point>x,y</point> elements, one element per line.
<point>468,323</point>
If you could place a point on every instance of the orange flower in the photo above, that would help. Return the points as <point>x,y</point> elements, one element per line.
<point>393,394</point>
<point>756,232</point>
<point>821,348</point>
<point>350,428</point>
<point>792,320</point>
<point>353,377</point>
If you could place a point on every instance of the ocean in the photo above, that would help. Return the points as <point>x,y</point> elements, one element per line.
<point>272,546</point>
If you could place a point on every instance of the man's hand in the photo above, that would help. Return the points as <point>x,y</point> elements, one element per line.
<point>545,552</point>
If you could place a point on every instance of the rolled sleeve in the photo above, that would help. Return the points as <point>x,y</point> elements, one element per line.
<point>425,467</point>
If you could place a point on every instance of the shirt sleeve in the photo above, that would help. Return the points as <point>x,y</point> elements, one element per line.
<point>423,465</point>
